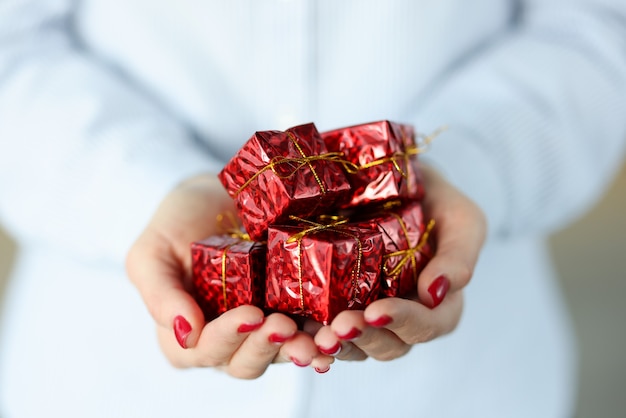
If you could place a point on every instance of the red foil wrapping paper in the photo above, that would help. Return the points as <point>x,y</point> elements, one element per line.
<point>276,174</point>
<point>385,153</point>
<point>227,272</point>
<point>318,273</point>
<point>408,244</point>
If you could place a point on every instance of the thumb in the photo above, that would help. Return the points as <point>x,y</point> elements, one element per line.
<point>459,234</point>
<point>158,275</point>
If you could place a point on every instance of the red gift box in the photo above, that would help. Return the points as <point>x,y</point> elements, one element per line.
<point>317,270</point>
<point>228,271</point>
<point>384,153</point>
<point>408,246</point>
<point>276,174</point>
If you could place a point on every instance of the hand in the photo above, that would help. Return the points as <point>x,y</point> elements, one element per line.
<point>388,328</point>
<point>242,342</point>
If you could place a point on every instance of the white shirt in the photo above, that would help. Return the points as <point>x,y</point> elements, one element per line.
<point>104,106</point>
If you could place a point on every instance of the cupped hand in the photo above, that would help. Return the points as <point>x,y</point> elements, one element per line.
<point>242,342</point>
<point>388,328</point>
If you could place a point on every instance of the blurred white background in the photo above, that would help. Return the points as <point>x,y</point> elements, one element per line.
<point>591,257</point>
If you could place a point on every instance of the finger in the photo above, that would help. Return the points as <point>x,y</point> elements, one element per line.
<point>322,363</point>
<point>459,234</point>
<point>413,322</point>
<point>219,339</point>
<point>328,343</point>
<point>348,326</point>
<point>378,343</point>
<point>302,351</point>
<point>158,279</point>
<point>261,347</point>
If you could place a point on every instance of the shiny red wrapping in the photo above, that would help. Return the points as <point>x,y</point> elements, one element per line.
<point>325,260</point>
<point>389,143</point>
<point>231,267</point>
<point>270,178</point>
<point>403,231</point>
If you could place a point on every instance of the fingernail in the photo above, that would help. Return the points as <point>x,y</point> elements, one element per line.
<point>182,329</point>
<point>249,327</point>
<point>380,322</point>
<point>438,290</point>
<point>278,339</point>
<point>333,351</point>
<point>322,371</point>
<point>299,363</point>
<point>352,334</point>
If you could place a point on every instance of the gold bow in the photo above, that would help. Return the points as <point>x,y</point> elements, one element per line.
<point>410,254</point>
<point>300,162</point>
<point>233,230</point>
<point>335,226</point>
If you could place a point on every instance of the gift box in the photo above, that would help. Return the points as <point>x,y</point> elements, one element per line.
<point>384,156</point>
<point>276,174</point>
<point>228,271</point>
<point>318,270</point>
<point>408,244</point>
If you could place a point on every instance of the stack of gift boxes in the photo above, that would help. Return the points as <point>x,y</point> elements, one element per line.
<point>330,222</point>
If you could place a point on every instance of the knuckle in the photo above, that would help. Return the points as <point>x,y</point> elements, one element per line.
<point>177,363</point>
<point>465,273</point>
<point>422,336</point>
<point>246,373</point>
<point>351,353</point>
<point>130,263</point>
<point>390,354</point>
<point>209,361</point>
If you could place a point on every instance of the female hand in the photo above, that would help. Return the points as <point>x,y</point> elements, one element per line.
<point>388,328</point>
<point>242,342</point>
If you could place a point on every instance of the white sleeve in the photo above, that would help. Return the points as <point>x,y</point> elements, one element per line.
<point>538,117</point>
<point>84,156</point>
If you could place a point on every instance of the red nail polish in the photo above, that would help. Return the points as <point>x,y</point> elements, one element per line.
<point>182,329</point>
<point>438,290</point>
<point>249,327</point>
<point>298,363</point>
<point>352,334</point>
<point>333,351</point>
<point>380,322</point>
<point>278,339</point>
<point>322,371</point>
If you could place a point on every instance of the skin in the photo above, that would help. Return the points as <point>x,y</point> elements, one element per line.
<point>159,266</point>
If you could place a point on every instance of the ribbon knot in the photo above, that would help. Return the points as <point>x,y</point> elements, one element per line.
<point>234,230</point>
<point>297,163</point>
<point>335,224</point>
<point>409,254</point>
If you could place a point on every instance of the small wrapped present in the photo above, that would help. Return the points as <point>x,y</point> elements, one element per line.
<point>276,174</point>
<point>383,155</point>
<point>317,270</point>
<point>408,246</point>
<point>228,271</point>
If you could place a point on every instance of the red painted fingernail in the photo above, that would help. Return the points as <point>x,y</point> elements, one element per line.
<point>249,327</point>
<point>380,322</point>
<point>322,371</point>
<point>298,363</point>
<point>438,290</point>
<point>333,351</point>
<point>182,329</point>
<point>278,339</point>
<point>352,334</point>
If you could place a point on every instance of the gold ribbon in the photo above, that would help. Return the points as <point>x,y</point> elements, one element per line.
<point>334,225</point>
<point>234,227</point>
<point>300,162</point>
<point>410,254</point>
<point>413,149</point>
<point>394,159</point>
<point>233,230</point>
